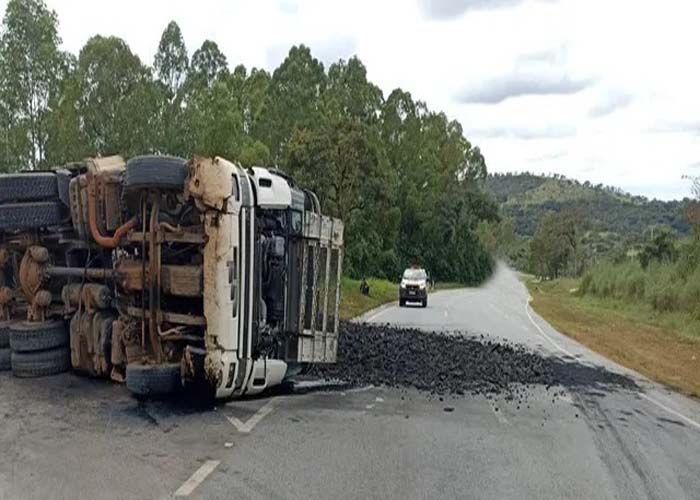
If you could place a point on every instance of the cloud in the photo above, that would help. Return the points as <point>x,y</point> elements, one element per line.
<point>442,10</point>
<point>676,126</point>
<point>327,51</point>
<point>521,84</point>
<point>552,131</point>
<point>289,7</point>
<point>612,101</point>
<point>547,156</point>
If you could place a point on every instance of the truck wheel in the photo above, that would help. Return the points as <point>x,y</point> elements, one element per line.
<point>28,186</point>
<point>27,336</point>
<point>153,171</point>
<point>402,302</point>
<point>40,363</point>
<point>425,303</point>
<point>14,216</point>
<point>5,333</point>
<point>153,380</point>
<point>5,363</point>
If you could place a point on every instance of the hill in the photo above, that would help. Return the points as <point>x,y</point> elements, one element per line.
<point>526,197</point>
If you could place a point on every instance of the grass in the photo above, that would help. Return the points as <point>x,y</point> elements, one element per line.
<point>663,346</point>
<point>353,303</point>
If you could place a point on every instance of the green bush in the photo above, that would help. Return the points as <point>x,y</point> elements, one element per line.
<point>690,294</point>
<point>665,286</point>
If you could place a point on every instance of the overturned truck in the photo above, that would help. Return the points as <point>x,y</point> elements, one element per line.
<point>165,274</point>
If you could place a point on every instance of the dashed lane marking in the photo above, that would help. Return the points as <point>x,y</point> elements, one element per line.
<point>499,414</point>
<point>653,401</point>
<point>249,425</point>
<point>197,478</point>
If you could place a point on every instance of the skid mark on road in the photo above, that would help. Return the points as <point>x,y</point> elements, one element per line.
<point>249,425</point>
<point>197,478</point>
<point>671,411</point>
<point>653,401</point>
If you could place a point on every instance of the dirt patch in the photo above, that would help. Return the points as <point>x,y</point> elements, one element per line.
<point>655,352</point>
<point>442,363</point>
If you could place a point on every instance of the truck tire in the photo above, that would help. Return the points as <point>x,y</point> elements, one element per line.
<point>5,333</point>
<point>15,216</point>
<point>402,302</point>
<point>160,172</point>
<point>27,336</point>
<point>5,363</point>
<point>424,303</point>
<point>28,186</point>
<point>40,363</point>
<point>153,380</point>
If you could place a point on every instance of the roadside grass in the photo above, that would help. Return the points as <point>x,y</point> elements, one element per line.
<point>353,303</point>
<point>663,346</point>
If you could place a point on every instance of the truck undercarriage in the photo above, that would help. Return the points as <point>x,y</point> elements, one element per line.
<point>164,273</point>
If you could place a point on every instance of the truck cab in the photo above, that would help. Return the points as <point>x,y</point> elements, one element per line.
<point>166,273</point>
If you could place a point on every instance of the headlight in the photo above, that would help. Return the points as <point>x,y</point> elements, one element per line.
<point>403,284</point>
<point>422,286</point>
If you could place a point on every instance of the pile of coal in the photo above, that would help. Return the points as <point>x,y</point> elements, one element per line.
<point>452,363</point>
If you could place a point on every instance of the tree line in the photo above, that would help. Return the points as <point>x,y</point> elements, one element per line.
<point>403,177</point>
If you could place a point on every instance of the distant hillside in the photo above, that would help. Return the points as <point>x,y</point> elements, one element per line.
<point>526,197</point>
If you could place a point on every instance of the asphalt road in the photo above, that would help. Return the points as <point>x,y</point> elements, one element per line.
<point>69,437</point>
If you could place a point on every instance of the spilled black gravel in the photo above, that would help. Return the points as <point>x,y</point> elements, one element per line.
<point>445,364</point>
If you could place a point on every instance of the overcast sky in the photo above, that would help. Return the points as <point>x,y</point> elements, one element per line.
<point>605,91</point>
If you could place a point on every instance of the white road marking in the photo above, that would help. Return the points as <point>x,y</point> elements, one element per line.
<point>544,335</point>
<point>376,315</point>
<point>247,426</point>
<point>499,414</point>
<point>671,411</point>
<point>197,478</point>
<point>648,398</point>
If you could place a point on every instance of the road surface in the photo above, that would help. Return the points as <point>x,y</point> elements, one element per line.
<point>69,437</point>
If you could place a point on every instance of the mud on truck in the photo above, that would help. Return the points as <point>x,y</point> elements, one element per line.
<point>165,273</point>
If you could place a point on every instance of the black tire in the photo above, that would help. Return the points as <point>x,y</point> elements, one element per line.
<point>153,380</point>
<point>160,172</point>
<point>5,363</point>
<point>16,216</point>
<point>424,303</point>
<point>5,333</point>
<point>26,336</point>
<point>28,186</point>
<point>402,303</point>
<point>40,363</point>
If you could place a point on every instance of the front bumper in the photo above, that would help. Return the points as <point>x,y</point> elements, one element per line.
<point>416,294</point>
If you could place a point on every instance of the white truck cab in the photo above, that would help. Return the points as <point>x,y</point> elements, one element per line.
<point>167,273</point>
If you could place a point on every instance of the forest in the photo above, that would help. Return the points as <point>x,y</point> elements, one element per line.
<point>403,177</point>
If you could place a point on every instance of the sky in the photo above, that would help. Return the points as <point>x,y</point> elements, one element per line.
<point>598,90</point>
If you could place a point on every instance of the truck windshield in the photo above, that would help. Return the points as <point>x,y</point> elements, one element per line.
<point>414,274</point>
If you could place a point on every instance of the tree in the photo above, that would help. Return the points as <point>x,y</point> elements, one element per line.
<point>171,60</point>
<point>549,249</point>
<point>30,74</point>
<point>293,99</point>
<point>117,100</point>
<point>208,64</point>
<point>171,63</point>
<point>661,248</point>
